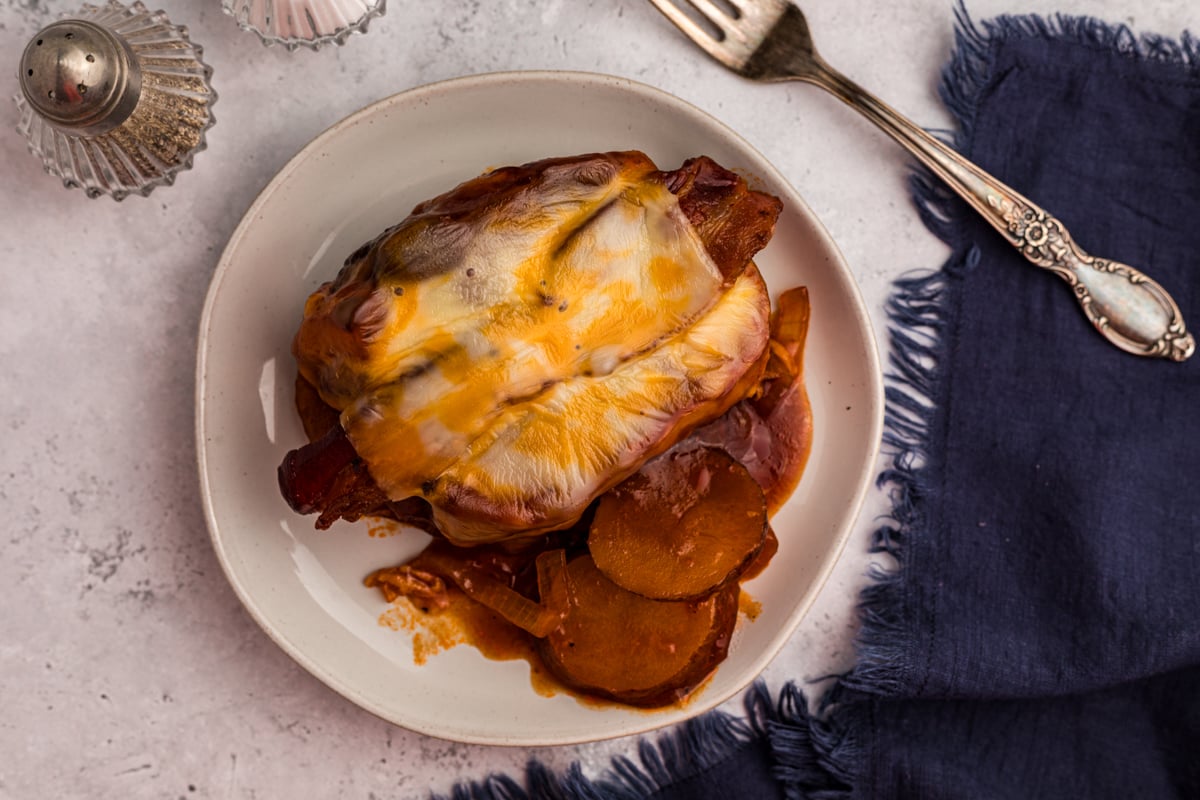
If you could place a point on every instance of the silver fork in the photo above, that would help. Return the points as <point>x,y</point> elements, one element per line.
<point>769,40</point>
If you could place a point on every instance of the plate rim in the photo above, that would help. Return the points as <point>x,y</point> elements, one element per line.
<point>856,498</point>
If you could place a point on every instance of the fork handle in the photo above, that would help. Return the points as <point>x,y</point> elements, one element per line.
<point>1126,306</point>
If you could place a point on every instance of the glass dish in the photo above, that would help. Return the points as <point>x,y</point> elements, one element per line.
<point>304,23</point>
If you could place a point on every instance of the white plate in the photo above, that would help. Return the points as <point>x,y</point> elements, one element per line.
<point>304,587</point>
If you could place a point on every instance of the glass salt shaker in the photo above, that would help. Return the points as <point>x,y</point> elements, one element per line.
<point>307,23</point>
<point>115,99</point>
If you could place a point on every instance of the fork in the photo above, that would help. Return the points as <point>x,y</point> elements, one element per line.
<point>769,40</point>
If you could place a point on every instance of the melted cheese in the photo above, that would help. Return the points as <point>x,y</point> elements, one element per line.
<point>510,363</point>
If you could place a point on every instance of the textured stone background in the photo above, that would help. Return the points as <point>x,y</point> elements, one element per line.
<point>127,665</point>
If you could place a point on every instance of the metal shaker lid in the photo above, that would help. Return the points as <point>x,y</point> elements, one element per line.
<point>80,77</point>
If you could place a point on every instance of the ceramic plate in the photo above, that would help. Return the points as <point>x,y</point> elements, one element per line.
<point>304,587</point>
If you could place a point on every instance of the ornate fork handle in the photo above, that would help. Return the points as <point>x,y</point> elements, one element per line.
<point>1130,309</point>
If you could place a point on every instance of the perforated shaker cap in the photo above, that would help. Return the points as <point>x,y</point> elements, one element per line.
<point>80,77</point>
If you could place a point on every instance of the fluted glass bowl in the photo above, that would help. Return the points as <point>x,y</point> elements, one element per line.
<point>304,23</point>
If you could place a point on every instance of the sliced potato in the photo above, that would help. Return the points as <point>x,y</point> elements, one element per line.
<point>622,646</point>
<point>682,526</point>
<point>784,406</point>
<point>759,563</point>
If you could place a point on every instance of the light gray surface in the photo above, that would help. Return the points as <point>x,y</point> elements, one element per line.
<point>127,666</point>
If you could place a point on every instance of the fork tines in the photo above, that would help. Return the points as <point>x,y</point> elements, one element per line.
<point>728,30</point>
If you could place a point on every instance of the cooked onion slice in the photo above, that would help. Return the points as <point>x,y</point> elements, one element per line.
<point>536,617</point>
<point>620,645</point>
<point>682,526</point>
<point>771,434</point>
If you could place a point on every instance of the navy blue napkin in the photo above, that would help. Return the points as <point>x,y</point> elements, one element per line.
<point>1040,635</point>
